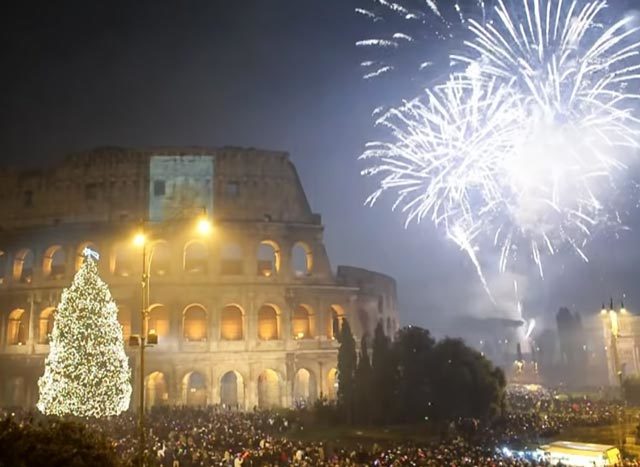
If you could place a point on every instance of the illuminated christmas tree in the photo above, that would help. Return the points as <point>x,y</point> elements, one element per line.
<point>87,371</point>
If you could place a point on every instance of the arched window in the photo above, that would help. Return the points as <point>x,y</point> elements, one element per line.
<point>3,266</point>
<point>45,325</point>
<point>18,327</point>
<point>268,323</point>
<point>160,260</point>
<point>122,261</point>
<point>158,321</point>
<point>305,390</point>
<point>231,323</point>
<point>156,392</point>
<point>231,258</point>
<point>194,389</point>
<point>332,384</point>
<point>23,266</point>
<point>269,390</point>
<point>302,259</point>
<point>301,323</point>
<point>232,390</point>
<point>268,258</point>
<point>334,323</point>
<point>54,262</point>
<point>80,252</point>
<point>195,258</point>
<point>195,324</point>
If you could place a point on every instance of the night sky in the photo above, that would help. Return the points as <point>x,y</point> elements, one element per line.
<point>274,74</point>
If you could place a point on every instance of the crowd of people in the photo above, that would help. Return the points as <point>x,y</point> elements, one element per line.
<point>216,436</point>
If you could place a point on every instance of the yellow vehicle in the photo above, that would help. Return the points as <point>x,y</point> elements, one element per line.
<point>569,453</point>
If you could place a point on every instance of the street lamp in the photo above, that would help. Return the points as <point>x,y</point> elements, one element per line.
<point>148,338</point>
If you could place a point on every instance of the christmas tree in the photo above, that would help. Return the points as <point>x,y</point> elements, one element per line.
<point>87,371</point>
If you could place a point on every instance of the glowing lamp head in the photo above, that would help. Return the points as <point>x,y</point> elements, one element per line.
<point>139,239</point>
<point>204,226</point>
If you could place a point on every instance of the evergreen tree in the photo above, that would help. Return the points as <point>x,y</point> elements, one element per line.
<point>383,377</point>
<point>363,385</point>
<point>87,371</point>
<point>347,360</point>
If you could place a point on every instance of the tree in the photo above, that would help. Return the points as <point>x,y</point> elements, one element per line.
<point>347,360</point>
<point>87,371</point>
<point>54,443</point>
<point>383,377</point>
<point>413,349</point>
<point>464,383</point>
<point>363,401</point>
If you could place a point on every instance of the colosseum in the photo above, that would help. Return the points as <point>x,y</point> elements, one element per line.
<point>245,316</point>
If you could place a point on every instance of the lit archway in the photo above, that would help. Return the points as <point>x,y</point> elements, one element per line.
<point>80,253</point>
<point>301,259</point>
<point>231,323</point>
<point>45,325</point>
<point>194,324</point>
<point>268,328</point>
<point>158,321</point>
<point>17,327</point>
<point>15,392</point>
<point>156,392</point>
<point>301,323</point>
<point>194,389</point>
<point>23,266</point>
<point>54,262</point>
<point>334,321</point>
<point>232,258</point>
<point>232,390</point>
<point>196,255</point>
<point>269,394</point>
<point>268,258</point>
<point>160,259</point>
<point>305,390</point>
<point>332,384</point>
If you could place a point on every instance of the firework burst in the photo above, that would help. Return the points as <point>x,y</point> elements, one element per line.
<point>521,148</point>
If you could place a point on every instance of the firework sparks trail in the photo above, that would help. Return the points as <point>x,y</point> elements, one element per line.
<point>520,148</point>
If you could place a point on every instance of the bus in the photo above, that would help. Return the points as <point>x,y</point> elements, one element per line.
<point>570,453</point>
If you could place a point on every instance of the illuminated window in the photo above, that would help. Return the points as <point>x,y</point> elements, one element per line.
<point>268,323</point>
<point>302,259</point>
<point>23,266</point>
<point>195,324</point>
<point>231,323</point>
<point>45,325</point>
<point>158,321</point>
<point>300,324</point>
<point>54,262</point>
<point>268,258</point>
<point>18,327</point>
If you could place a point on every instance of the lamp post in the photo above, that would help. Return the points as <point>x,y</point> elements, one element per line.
<point>148,338</point>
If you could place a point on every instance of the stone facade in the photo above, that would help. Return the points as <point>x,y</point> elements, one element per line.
<point>245,316</point>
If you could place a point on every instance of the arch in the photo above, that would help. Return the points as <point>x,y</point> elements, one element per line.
<point>232,323</point>
<point>23,266</point>
<point>15,391</point>
<point>80,254</point>
<point>194,389</point>
<point>232,390</point>
<point>301,322</point>
<point>269,391</point>
<point>301,259</point>
<point>195,257</point>
<point>332,384</point>
<point>54,262</point>
<point>268,258</point>
<point>155,389</point>
<point>160,259</point>
<point>158,321</point>
<point>231,259</point>
<point>334,321</point>
<point>124,318</point>
<point>18,327</point>
<point>268,325</point>
<point>45,325</point>
<point>3,267</point>
<point>194,324</point>
<point>122,260</point>
<point>305,389</point>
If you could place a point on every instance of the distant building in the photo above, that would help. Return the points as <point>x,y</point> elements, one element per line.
<point>621,333</point>
<point>246,317</point>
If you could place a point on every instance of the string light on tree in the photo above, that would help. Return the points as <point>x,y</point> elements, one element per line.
<point>87,371</point>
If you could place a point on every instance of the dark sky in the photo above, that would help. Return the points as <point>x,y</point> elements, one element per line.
<point>275,74</point>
